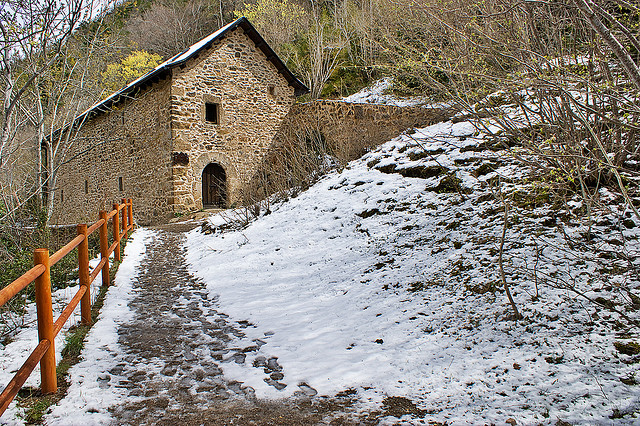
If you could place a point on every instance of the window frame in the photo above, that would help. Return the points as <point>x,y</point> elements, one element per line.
<point>215,114</point>
<point>211,99</point>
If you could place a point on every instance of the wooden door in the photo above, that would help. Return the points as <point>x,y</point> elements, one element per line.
<point>214,186</point>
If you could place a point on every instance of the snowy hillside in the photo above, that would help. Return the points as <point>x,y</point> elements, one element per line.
<point>382,283</point>
<point>376,297</point>
<point>379,94</point>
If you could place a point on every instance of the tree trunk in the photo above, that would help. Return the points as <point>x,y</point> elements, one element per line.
<point>6,126</point>
<point>621,53</point>
<point>40,168</point>
<point>51,181</point>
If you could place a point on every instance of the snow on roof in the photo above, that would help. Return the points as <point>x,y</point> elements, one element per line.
<point>161,70</point>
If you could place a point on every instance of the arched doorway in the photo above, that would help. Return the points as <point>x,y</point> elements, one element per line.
<point>214,186</point>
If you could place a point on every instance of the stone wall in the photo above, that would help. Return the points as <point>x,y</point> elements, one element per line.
<point>131,143</point>
<point>351,128</point>
<point>345,130</point>
<point>253,98</point>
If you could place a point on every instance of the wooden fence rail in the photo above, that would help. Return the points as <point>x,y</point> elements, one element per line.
<point>40,274</point>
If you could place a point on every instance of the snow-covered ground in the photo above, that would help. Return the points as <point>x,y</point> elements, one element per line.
<point>385,283</point>
<point>15,353</point>
<point>90,395</point>
<point>25,339</point>
<point>99,347</point>
<point>382,280</point>
<point>378,93</point>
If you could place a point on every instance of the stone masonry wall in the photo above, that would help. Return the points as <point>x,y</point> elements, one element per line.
<point>352,128</point>
<point>132,142</point>
<point>253,97</point>
<point>347,131</point>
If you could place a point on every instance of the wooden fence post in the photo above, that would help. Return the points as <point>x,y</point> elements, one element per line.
<point>125,215</point>
<point>45,322</point>
<point>104,247</point>
<point>83,275</point>
<point>116,233</point>
<point>130,210</point>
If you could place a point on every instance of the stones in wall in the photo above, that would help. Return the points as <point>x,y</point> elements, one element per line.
<point>352,128</point>
<point>123,153</point>
<point>252,98</point>
<point>345,130</point>
<point>154,147</point>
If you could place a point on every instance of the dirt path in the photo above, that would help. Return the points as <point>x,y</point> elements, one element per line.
<point>176,349</point>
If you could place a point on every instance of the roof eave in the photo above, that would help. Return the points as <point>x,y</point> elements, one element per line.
<point>299,87</point>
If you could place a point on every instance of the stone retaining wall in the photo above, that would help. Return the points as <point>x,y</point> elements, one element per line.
<point>345,130</point>
<point>353,128</point>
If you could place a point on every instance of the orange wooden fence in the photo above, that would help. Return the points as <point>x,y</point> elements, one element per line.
<point>40,273</point>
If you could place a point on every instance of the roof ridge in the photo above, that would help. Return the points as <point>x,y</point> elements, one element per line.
<point>159,72</point>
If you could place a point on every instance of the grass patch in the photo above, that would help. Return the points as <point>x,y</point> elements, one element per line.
<point>630,348</point>
<point>448,185</point>
<point>398,406</point>
<point>37,406</point>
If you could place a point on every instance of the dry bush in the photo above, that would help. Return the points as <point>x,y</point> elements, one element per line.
<point>169,27</point>
<point>568,98</point>
<point>292,167</point>
<point>302,153</point>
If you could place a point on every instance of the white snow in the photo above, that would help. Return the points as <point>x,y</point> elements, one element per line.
<point>378,94</point>
<point>388,285</point>
<point>376,282</point>
<point>15,353</point>
<point>93,389</point>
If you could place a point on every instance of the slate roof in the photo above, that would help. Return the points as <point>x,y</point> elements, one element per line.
<point>179,60</point>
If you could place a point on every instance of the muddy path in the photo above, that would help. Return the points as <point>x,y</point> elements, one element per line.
<point>177,345</point>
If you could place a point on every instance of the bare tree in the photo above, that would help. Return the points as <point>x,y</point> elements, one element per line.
<point>326,43</point>
<point>45,65</point>
<point>33,34</point>
<point>169,27</point>
<point>592,11</point>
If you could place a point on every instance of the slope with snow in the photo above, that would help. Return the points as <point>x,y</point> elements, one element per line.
<point>378,93</point>
<point>381,282</point>
<point>382,279</point>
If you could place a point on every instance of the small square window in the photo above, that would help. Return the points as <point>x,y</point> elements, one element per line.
<point>237,54</point>
<point>271,89</point>
<point>211,112</point>
<point>120,184</point>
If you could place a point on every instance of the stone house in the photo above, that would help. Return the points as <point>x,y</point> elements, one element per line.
<point>188,135</point>
<point>197,131</point>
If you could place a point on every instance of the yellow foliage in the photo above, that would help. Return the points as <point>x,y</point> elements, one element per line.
<point>277,20</point>
<point>137,64</point>
<point>279,11</point>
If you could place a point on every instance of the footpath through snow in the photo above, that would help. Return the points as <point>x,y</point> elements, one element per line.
<point>160,359</point>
